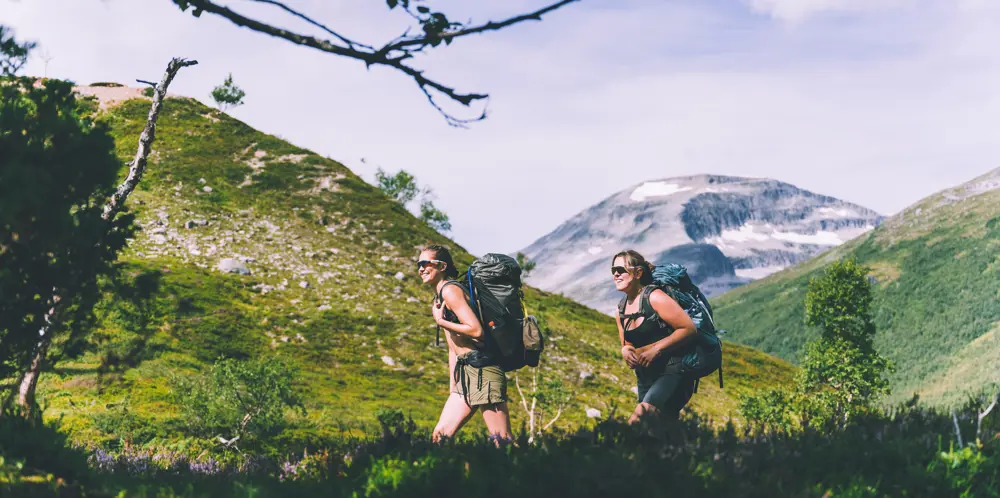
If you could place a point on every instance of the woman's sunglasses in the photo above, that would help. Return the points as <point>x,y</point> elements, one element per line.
<point>424,262</point>
<point>618,270</point>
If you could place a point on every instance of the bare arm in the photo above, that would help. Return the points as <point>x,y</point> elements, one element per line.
<point>454,299</point>
<point>628,351</point>
<point>674,316</point>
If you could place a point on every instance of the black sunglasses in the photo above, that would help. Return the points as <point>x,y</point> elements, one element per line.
<point>618,270</point>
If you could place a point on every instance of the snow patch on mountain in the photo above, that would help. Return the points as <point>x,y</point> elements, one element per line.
<point>656,189</point>
<point>821,237</point>
<point>758,273</point>
<point>838,212</point>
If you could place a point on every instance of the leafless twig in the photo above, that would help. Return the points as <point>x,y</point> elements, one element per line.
<point>138,165</point>
<point>393,54</point>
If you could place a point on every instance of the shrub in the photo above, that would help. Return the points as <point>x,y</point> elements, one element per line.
<point>240,400</point>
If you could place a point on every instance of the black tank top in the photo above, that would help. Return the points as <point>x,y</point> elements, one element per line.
<point>649,330</point>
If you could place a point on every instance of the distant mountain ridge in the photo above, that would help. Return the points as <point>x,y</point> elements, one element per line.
<point>727,230</point>
<point>935,268</point>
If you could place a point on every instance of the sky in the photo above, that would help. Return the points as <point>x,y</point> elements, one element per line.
<point>876,102</point>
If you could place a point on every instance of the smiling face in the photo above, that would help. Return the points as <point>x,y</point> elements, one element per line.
<point>625,276</point>
<point>430,270</point>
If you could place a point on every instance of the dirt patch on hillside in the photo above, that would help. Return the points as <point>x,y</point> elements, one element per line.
<point>109,96</point>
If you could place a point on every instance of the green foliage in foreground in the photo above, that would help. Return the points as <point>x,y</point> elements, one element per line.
<point>909,452</point>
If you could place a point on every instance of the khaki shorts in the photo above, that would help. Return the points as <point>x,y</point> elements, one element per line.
<point>478,390</point>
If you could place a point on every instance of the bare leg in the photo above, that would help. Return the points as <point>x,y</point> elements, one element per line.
<point>644,413</point>
<point>648,417</point>
<point>497,418</point>
<point>453,416</point>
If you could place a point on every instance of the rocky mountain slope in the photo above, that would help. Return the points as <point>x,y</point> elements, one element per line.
<point>254,247</point>
<point>936,271</point>
<point>727,230</point>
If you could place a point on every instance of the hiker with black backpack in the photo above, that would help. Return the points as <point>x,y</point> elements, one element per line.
<point>477,382</point>
<point>667,335</point>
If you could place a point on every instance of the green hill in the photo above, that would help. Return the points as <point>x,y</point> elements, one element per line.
<point>331,285</point>
<point>936,268</point>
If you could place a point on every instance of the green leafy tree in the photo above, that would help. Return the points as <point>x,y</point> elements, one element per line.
<point>844,359</point>
<point>238,399</point>
<point>526,264</point>
<point>228,94</point>
<point>842,375</point>
<point>13,54</point>
<point>57,167</point>
<point>437,219</point>
<point>435,28</point>
<point>62,218</point>
<point>403,188</point>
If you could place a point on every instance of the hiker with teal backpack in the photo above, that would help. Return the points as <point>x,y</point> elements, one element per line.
<point>667,335</point>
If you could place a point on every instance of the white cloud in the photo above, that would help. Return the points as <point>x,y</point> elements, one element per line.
<point>798,10</point>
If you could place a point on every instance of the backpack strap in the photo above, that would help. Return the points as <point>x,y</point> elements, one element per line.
<point>440,299</point>
<point>621,311</point>
<point>644,305</point>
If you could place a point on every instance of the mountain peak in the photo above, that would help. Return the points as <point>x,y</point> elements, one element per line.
<point>760,225</point>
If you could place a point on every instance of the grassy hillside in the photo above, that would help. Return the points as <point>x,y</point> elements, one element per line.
<point>331,287</point>
<point>936,268</point>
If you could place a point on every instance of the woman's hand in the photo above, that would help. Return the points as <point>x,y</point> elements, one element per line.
<point>628,354</point>
<point>437,310</point>
<point>647,355</point>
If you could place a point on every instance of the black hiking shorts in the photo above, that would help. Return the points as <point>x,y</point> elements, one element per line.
<point>664,387</point>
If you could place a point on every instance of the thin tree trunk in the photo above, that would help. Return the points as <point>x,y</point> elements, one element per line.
<point>984,414</point>
<point>29,380</point>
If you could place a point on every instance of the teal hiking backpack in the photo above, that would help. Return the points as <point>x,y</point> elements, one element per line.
<point>705,356</point>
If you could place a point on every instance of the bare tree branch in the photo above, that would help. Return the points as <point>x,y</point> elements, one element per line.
<point>138,164</point>
<point>958,431</point>
<point>489,26</point>
<point>984,414</point>
<point>393,54</point>
<point>517,383</point>
<point>350,43</point>
<point>558,412</point>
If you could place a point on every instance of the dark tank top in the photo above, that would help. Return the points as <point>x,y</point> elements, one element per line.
<point>649,330</point>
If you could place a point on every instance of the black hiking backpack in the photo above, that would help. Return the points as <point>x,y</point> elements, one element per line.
<point>705,355</point>
<point>512,337</point>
